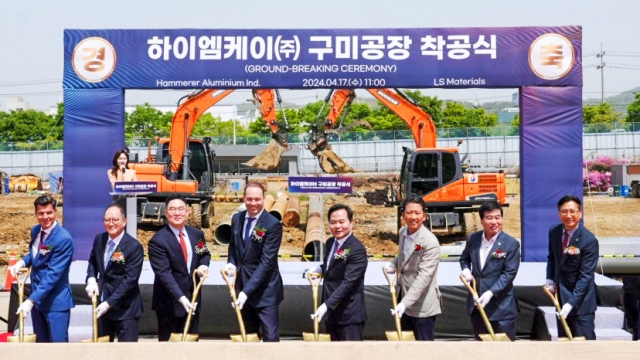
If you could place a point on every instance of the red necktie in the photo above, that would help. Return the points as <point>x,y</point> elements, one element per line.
<point>183,245</point>
<point>565,242</point>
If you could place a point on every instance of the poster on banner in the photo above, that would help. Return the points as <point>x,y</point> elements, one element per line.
<point>135,187</point>
<point>332,185</point>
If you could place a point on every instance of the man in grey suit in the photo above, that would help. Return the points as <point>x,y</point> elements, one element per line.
<point>492,257</point>
<point>418,259</point>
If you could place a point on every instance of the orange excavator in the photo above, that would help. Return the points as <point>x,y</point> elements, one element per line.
<point>435,174</point>
<point>185,166</point>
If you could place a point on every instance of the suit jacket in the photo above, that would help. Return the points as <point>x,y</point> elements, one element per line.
<point>418,274</point>
<point>574,273</point>
<point>258,274</point>
<point>50,289</point>
<point>118,283</point>
<point>343,285</point>
<point>173,279</point>
<point>497,274</point>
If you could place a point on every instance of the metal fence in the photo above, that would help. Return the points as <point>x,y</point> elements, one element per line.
<point>369,151</point>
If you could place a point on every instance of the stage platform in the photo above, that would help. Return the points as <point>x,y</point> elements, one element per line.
<point>218,319</point>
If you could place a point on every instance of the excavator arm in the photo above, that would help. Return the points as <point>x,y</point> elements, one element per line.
<point>269,158</point>
<point>407,109</point>
<point>185,120</point>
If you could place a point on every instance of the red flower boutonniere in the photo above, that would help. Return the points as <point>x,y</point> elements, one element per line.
<point>117,257</point>
<point>499,254</point>
<point>201,248</point>
<point>341,254</point>
<point>571,250</point>
<point>45,249</point>
<point>258,234</point>
<point>419,249</point>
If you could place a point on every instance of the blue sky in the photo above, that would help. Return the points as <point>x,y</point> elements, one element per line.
<point>31,53</point>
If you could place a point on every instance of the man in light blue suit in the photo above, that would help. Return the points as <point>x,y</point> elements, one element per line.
<point>50,255</point>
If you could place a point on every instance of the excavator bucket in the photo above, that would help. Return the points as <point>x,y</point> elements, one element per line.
<point>331,163</point>
<point>269,158</point>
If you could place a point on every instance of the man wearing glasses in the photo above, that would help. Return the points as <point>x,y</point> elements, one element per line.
<point>175,252</point>
<point>572,261</point>
<point>114,268</point>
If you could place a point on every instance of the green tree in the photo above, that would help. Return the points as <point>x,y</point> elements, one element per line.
<point>147,122</point>
<point>633,111</point>
<point>600,118</point>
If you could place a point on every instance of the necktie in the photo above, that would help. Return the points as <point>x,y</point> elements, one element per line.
<point>39,242</point>
<point>183,245</point>
<point>110,250</point>
<point>247,230</point>
<point>334,250</point>
<point>565,242</point>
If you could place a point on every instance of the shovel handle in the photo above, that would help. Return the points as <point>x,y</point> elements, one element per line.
<point>483,314</point>
<point>194,297</point>
<point>391,279</point>
<point>21,281</point>
<point>315,284</point>
<point>232,291</point>
<point>556,303</point>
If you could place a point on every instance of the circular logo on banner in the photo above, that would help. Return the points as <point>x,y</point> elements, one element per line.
<point>551,56</point>
<point>94,59</point>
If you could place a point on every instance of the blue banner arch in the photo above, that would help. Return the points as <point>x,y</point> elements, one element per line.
<point>545,63</point>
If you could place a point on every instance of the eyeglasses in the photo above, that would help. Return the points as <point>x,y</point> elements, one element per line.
<point>114,220</point>
<point>173,210</point>
<point>566,212</point>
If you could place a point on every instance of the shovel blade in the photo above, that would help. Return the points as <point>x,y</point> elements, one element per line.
<point>331,163</point>
<point>312,337</point>
<point>28,338</point>
<point>392,335</point>
<point>499,337</point>
<point>250,338</point>
<point>269,158</point>
<point>175,337</point>
<point>579,338</point>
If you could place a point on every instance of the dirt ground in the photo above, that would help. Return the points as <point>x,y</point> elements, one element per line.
<point>374,225</point>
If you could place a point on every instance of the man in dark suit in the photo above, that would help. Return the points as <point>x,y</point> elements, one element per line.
<point>114,268</point>
<point>50,255</point>
<point>492,257</point>
<point>343,268</point>
<point>253,256</point>
<point>572,261</point>
<point>175,252</point>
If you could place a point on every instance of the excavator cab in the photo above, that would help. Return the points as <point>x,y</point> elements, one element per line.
<point>427,170</point>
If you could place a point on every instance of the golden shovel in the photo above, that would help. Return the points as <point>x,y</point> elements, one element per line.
<point>95,338</point>
<point>22,337</point>
<point>243,337</point>
<point>398,334</point>
<point>484,337</point>
<point>185,336</point>
<point>563,321</point>
<point>315,336</point>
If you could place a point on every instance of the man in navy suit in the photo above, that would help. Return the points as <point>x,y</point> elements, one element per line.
<point>572,262</point>
<point>492,257</point>
<point>253,258</point>
<point>175,252</point>
<point>114,268</point>
<point>343,268</point>
<point>50,255</point>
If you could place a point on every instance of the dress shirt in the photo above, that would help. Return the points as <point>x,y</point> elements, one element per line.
<point>485,248</point>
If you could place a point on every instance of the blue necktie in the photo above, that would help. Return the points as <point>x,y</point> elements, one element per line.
<point>112,246</point>
<point>247,231</point>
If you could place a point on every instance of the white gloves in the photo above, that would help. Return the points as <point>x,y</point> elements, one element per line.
<point>484,299</point>
<point>26,307</point>
<point>390,268</point>
<point>230,269</point>
<point>92,286</point>
<point>242,298</point>
<point>322,309</point>
<point>551,286</point>
<point>185,303</point>
<point>102,309</point>
<point>566,309</point>
<point>467,275</point>
<point>202,269</point>
<point>317,269</point>
<point>13,269</point>
<point>399,310</point>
